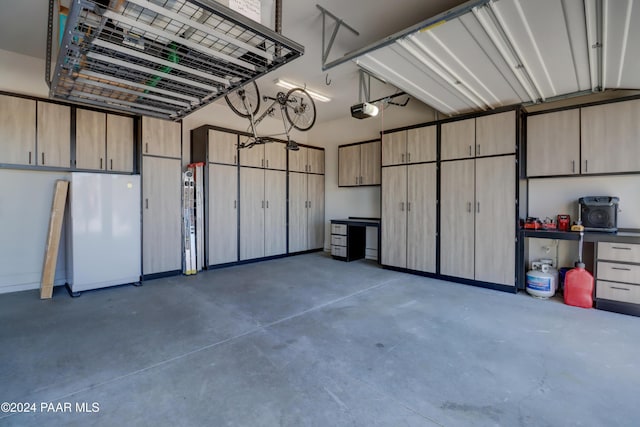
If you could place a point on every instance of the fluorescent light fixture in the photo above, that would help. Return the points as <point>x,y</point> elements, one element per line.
<point>315,95</point>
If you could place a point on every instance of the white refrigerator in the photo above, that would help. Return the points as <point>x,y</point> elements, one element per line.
<point>103,231</point>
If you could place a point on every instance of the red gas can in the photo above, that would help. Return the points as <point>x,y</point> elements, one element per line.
<point>578,287</point>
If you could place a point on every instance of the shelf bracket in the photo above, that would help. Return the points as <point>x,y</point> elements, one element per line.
<point>339,22</point>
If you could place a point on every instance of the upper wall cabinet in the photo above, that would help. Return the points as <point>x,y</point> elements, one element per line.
<point>223,147</point>
<point>90,139</point>
<point>120,143</point>
<point>272,155</point>
<point>553,143</point>
<point>458,139</point>
<point>611,137</point>
<point>359,164</point>
<point>416,145</point>
<point>54,135</point>
<point>307,159</point>
<point>17,130</point>
<point>161,137</point>
<point>496,134</point>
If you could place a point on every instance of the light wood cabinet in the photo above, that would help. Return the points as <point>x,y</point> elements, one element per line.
<point>610,137</point>
<point>222,228</point>
<point>275,156</point>
<point>553,143</point>
<point>359,164</point>
<point>161,215</point>
<point>495,220</point>
<point>457,219</point>
<point>90,139</point>
<point>120,143</point>
<point>477,230</point>
<point>306,159</point>
<point>252,206</point>
<point>297,212</point>
<point>17,130</point>
<point>275,217</point>
<point>253,157</point>
<point>315,211</point>
<point>394,216</point>
<point>161,137</point>
<point>298,160</point>
<point>349,165</point>
<point>394,148</point>
<point>422,144</point>
<point>421,217</point>
<point>54,135</point>
<point>315,158</point>
<point>496,134</point>
<point>223,147</point>
<point>458,139</point>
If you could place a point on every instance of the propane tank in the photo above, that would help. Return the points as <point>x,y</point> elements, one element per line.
<point>552,270</point>
<point>540,283</point>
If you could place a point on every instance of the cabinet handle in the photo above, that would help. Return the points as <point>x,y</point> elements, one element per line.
<point>408,206</point>
<point>408,157</point>
<point>402,158</point>
<point>356,180</point>
<point>478,207</point>
<point>267,162</point>
<point>29,157</point>
<point>573,166</point>
<point>360,180</point>
<point>309,204</point>
<point>586,165</point>
<point>621,268</point>
<point>402,206</point>
<point>478,150</point>
<point>111,160</point>
<point>146,203</point>
<point>100,162</point>
<point>621,248</point>
<point>620,289</point>
<point>305,204</point>
<point>469,150</point>
<point>43,158</point>
<point>263,204</point>
<point>146,147</point>
<point>469,207</point>
<point>234,159</point>
<point>267,204</point>
<point>235,204</point>
<point>262,163</point>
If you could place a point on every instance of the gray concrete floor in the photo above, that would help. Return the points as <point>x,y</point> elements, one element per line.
<point>309,341</point>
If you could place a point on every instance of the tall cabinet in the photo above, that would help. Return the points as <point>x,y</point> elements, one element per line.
<point>409,199</point>
<point>161,197</point>
<point>478,199</point>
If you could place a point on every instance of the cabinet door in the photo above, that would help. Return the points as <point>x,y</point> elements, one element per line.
<point>495,220</point>
<point>458,139</point>
<point>315,160</point>
<point>90,139</point>
<point>223,147</point>
<point>553,143</point>
<point>349,166</point>
<point>275,218</point>
<point>161,215</point>
<point>54,135</point>
<point>422,144</point>
<point>298,160</point>
<point>297,212</point>
<point>275,156</point>
<point>394,148</point>
<point>370,163</point>
<point>223,214</point>
<point>421,217</point>
<point>251,213</point>
<point>315,211</point>
<point>253,156</point>
<point>161,137</point>
<point>394,216</point>
<point>17,130</point>
<point>496,134</point>
<point>119,143</point>
<point>457,201</point>
<point>610,135</point>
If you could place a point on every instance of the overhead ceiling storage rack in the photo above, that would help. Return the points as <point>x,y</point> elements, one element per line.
<point>485,54</point>
<point>163,58</point>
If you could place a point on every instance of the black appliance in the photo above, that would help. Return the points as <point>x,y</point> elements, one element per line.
<point>599,213</point>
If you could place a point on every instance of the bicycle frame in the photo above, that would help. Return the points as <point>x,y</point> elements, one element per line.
<point>254,122</point>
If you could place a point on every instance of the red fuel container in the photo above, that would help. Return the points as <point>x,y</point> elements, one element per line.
<point>578,287</point>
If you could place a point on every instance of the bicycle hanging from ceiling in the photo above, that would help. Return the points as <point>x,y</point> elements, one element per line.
<point>297,110</point>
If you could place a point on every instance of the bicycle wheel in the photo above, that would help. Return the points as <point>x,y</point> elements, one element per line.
<point>300,109</point>
<point>245,100</point>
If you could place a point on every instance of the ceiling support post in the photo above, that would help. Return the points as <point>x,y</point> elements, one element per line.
<point>339,22</point>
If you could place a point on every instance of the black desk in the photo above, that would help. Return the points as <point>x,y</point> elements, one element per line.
<point>355,238</point>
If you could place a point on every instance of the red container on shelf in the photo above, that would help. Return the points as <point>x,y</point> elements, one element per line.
<point>578,287</point>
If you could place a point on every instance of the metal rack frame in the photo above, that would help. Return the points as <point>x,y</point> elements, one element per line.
<point>162,58</point>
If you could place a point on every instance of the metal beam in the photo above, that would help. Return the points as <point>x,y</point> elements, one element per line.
<point>339,22</point>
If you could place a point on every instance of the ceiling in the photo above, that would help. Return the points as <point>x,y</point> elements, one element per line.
<point>23,30</point>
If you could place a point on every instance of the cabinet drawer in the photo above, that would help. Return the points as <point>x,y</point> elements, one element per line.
<point>619,272</point>
<point>338,240</point>
<point>622,252</point>
<point>339,229</point>
<point>618,292</point>
<point>338,251</point>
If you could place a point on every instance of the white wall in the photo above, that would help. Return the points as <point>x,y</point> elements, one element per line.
<point>22,74</point>
<point>357,201</point>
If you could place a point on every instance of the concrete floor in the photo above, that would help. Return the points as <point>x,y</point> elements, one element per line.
<point>309,341</point>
